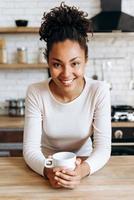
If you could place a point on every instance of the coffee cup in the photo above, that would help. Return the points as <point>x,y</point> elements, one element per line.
<point>61,159</point>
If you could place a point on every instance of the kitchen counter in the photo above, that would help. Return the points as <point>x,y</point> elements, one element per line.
<point>7,122</point>
<point>11,136</point>
<point>113,182</point>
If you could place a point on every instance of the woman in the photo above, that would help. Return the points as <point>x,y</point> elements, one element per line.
<point>63,112</point>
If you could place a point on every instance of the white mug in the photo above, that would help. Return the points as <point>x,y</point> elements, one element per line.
<point>61,159</point>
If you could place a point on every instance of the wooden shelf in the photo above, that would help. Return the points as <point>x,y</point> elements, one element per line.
<point>19,30</point>
<point>36,30</point>
<point>24,66</point>
<point>111,34</point>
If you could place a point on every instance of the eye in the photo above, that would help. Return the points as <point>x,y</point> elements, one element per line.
<point>75,64</point>
<point>57,65</point>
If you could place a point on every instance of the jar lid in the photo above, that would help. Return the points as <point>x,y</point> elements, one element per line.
<point>21,48</point>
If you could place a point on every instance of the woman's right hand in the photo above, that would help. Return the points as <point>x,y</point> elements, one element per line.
<point>50,174</point>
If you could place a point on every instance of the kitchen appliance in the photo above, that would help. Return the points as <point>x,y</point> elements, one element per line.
<point>122,113</point>
<point>16,107</point>
<point>123,130</point>
<point>112,18</point>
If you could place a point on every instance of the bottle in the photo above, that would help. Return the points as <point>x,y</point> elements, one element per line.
<point>22,55</point>
<point>3,52</point>
<point>41,57</point>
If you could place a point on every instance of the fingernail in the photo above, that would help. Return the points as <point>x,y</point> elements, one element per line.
<point>56,178</point>
<point>57,173</point>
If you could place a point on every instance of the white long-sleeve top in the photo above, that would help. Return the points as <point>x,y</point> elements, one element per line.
<point>52,126</point>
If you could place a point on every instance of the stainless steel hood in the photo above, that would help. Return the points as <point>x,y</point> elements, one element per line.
<point>111,18</point>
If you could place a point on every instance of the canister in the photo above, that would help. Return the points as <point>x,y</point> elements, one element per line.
<point>3,51</point>
<point>41,57</point>
<point>22,55</point>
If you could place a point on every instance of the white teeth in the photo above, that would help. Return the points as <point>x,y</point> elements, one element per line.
<point>67,82</point>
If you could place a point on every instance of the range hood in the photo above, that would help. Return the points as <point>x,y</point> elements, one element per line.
<point>111,18</point>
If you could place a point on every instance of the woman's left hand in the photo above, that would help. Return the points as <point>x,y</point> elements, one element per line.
<point>71,179</point>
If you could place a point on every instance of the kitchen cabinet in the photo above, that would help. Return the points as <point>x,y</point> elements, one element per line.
<point>21,30</point>
<point>11,135</point>
<point>11,142</point>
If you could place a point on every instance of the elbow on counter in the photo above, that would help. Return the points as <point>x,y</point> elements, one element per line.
<point>98,159</point>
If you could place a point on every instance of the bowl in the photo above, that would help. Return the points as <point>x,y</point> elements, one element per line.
<point>21,22</point>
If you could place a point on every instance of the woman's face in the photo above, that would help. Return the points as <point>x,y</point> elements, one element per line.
<point>66,61</point>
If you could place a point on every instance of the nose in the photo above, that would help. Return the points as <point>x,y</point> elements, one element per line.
<point>66,71</point>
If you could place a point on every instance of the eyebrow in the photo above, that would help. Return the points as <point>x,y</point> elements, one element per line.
<point>61,60</point>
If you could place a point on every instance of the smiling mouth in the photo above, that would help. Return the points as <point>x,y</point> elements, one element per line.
<point>67,82</point>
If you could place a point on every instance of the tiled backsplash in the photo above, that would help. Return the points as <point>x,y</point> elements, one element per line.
<point>112,53</point>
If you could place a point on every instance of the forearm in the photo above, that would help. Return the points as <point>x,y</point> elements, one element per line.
<point>32,144</point>
<point>98,159</point>
<point>83,169</point>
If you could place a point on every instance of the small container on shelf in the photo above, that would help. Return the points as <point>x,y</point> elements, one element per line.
<point>41,57</point>
<point>22,55</point>
<point>21,22</point>
<point>3,51</point>
<point>15,107</point>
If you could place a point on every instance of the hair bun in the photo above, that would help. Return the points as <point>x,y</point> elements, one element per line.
<point>64,18</point>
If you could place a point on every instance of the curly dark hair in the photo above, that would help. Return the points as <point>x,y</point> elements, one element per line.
<point>65,22</point>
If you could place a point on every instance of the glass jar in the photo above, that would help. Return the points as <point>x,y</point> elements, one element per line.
<point>22,55</point>
<point>3,51</point>
<point>3,55</point>
<point>41,57</point>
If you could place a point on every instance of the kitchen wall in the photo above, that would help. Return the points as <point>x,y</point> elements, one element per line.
<point>111,53</point>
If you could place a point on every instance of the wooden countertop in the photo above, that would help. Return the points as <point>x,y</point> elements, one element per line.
<point>113,182</point>
<point>7,122</point>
